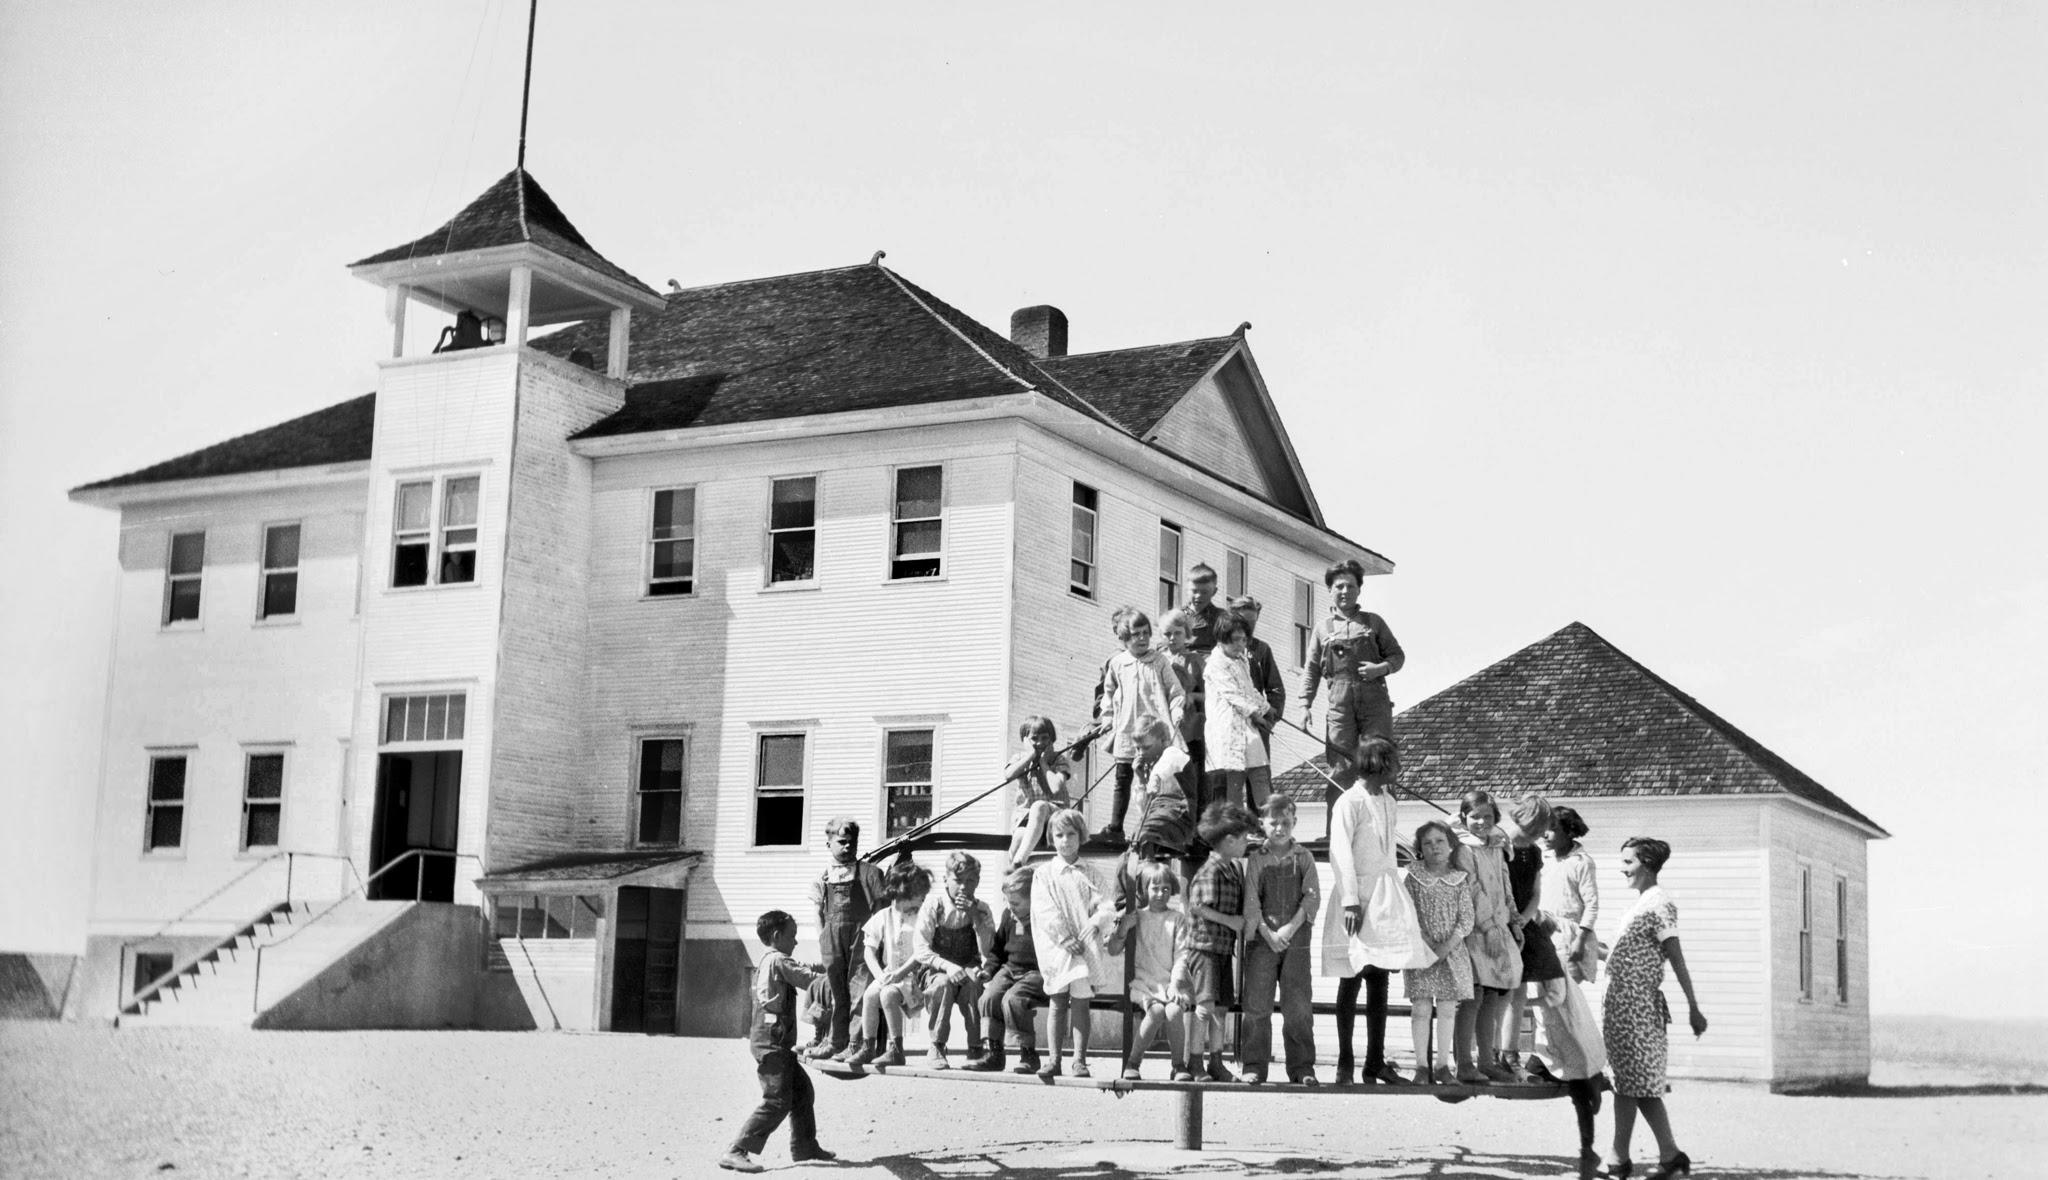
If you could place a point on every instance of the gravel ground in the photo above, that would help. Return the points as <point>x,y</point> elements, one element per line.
<point>89,1102</point>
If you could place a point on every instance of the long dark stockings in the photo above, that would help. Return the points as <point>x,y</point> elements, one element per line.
<point>1374,980</point>
<point>1585,1104</point>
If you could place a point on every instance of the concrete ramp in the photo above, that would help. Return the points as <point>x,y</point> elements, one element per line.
<point>390,965</point>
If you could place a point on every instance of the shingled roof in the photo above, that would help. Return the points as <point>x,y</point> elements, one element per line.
<point>1572,715</point>
<point>515,209</point>
<point>1139,386</point>
<point>337,434</point>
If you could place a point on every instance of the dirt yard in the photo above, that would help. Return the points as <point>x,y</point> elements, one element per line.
<point>93,1102</point>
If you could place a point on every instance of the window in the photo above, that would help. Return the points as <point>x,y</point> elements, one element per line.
<point>546,915</point>
<point>165,824</point>
<point>181,578</point>
<point>1304,619</point>
<point>262,801</point>
<point>1841,940</point>
<point>793,530</point>
<point>917,535</point>
<point>1805,933</point>
<point>434,717</point>
<point>1169,566</point>
<point>414,531</point>
<point>672,543</point>
<point>906,779</point>
<point>1235,575</point>
<point>658,796</point>
<point>280,571</point>
<point>1081,575</point>
<point>779,791</point>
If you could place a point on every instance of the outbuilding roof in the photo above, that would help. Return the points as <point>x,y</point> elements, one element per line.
<point>1573,715</point>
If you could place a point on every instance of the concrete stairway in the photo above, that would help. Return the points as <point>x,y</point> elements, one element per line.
<point>297,943</point>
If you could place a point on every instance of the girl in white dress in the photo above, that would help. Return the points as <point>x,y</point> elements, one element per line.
<point>1070,916</point>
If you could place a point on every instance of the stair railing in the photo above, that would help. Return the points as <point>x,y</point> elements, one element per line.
<point>419,858</point>
<point>122,1000</point>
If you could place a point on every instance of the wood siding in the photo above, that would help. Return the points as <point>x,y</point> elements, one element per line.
<point>1818,1038</point>
<point>1206,427</point>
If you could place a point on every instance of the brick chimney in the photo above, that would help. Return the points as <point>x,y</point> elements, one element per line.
<point>1040,331</point>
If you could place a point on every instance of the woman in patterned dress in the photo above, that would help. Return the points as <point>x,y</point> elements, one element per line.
<point>1634,1015</point>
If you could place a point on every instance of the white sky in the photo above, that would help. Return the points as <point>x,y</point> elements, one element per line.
<point>1716,327</point>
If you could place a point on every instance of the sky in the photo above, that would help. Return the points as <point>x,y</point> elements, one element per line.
<point>1718,328</point>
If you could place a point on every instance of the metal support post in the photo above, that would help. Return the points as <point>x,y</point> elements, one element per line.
<point>1188,1136</point>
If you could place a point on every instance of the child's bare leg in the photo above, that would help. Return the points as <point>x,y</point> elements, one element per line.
<point>871,1012</point>
<point>1491,1010</point>
<point>1056,1036</point>
<point>1421,1014</point>
<point>1197,1035</point>
<point>1034,831</point>
<point>1148,1032</point>
<point>1078,1014</point>
<point>1177,1035</point>
<point>1511,1023</point>
<point>1464,1054</point>
<point>1446,1028</point>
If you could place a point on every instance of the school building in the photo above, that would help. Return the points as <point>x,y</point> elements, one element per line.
<point>509,693</point>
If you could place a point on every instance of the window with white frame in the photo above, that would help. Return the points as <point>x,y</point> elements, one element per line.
<point>1304,619</point>
<point>1236,574</point>
<point>1841,940</point>
<point>164,823</point>
<point>428,717</point>
<point>793,530</point>
<point>1805,933</point>
<point>181,577</point>
<point>672,543</point>
<point>779,785</point>
<point>262,799</point>
<point>1169,566</point>
<point>917,532</point>
<point>658,793</point>
<point>1081,567</point>
<point>906,779</point>
<point>280,594</point>
<point>434,531</point>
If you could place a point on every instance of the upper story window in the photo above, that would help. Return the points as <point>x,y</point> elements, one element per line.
<point>1304,619</point>
<point>1236,574</point>
<point>793,530</point>
<point>280,595</point>
<point>658,796</point>
<point>1169,566</point>
<point>779,789</point>
<point>1081,567</point>
<point>181,577</point>
<point>672,543</point>
<point>906,779</point>
<point>163,827</point>
<point>434,537</point>
<point>917,534</point>
<point>263,800</point>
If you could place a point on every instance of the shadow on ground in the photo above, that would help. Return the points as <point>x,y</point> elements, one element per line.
<point>1054,1160</point>
<point>1973,1090</point>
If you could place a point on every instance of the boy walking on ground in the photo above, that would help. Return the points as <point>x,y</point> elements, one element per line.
<point>785,1088</point>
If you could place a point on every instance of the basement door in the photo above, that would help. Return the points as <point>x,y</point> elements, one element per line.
<point>647,960</point>
<point>418,796</point>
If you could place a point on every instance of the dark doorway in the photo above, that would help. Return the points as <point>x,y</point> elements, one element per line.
<point>646,960</point>
<point>150,966</point>
<point>418,797</point>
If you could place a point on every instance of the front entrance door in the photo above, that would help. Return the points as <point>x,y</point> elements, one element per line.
<point>418,801</point>
<point>646,960</point>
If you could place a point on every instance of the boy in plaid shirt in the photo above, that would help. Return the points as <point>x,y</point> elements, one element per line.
<point>1215,907</point>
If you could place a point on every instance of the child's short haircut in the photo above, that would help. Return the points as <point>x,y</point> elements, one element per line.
<point>1531,813</point>
<point>1068,820</point>
<point>1231,624</point>
<point>1223,820</point>
<point>841,823</point>
<point>770,924</point>
<point>1018,883</point>
<point>1129,619</point>
<point>1277,803</point>
<point>1243,603</point>
<point>1149,725</point>
<point>1200,570</point>
<point>1347,566</point>
<point>906,879</point>
<point>1435,825</point>
<point>1158,870</point>
<point>1035,724</point>
<point>960,865</point>
<point>1473,801</point>
<point>1175,618</point>
<point>1377,755</point>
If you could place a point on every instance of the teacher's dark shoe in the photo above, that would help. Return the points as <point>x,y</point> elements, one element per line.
<point>1620,1171</point>
<point>1677,1165</point>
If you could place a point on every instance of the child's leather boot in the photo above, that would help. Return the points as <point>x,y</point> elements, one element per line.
<point>895,1054</point>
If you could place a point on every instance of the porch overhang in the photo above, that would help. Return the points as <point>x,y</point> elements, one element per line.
<point>594,872</point>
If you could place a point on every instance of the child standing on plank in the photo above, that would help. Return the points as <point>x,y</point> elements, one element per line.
<point>1216,926</point>
<point>1175,629</point>
<point>845,895</point>
<point>1265,669</point>
<point>1138,681</point>
<point>785,1088</point>
<point>1041,773</point>
<point>1280,899</point>
<point>954,932</point>
<point>1234,709</point>
<point>1155,935</point>
<point>1443,901</point>
<point>1012,983</point>
<point>1353,650</point>
<point>1496,960</point>
<point>1369,928</point>
<point>1070,917</point>
<point>889,942</point>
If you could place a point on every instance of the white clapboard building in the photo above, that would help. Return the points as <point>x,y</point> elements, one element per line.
<point>510,693</point>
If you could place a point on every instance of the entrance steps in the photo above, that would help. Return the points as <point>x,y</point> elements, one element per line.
<point>224,988</point>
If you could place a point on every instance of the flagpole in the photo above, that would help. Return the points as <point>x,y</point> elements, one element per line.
<point>526,89</point>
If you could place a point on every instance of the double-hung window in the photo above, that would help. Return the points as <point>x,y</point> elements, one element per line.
<point>262,800</point>
<point>793,530</point>
<point>779,787</point>
<point>1236,574</point>
<point>1841,940</point>
<point>672,543</point>
<point>280,595</point>
<point>1304,619</point>
<point>1169,566</point>
<point>906,779</point>
<point>181,577</point>
<point>434,531</point>
<point>164,823</point>
<point>1805,933</point>
<point>917,532</point>
<point>1081,567</point>
<point>658,796</point>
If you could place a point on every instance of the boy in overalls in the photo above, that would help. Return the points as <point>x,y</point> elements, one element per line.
<point>844,895</point>
<point>1353,649</point>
